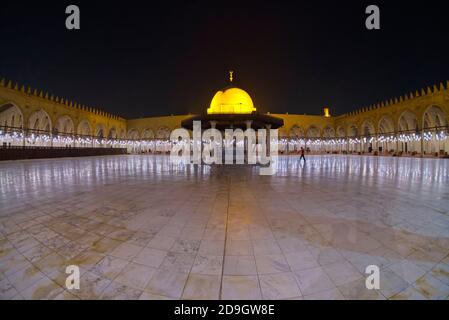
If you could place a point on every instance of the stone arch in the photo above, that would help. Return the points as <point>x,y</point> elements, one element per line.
<point>368,128</point>
<point>64,125</point>
<point>353,131</point>
<point>408,125</point>
<point>313,132</point>
<point>433,117</point>
<point>313,144</point>
<point>163,133</point>
<point>40,121</point>
<point>341,132</point>
<point>434,122</point>
<point>133,134</point>
<point>353,142</point>
<point>122,134</point>
<point>386,125</point>
<point>296,132</point>
<point>11,116</point>
<point>147,134</point>
<point>407,121</point>
<point>368,133</point>
<point>328,132</point>
<point>100,131</point>
<point>112,133</point>
<point>84,128</point>
<point>148,145</point>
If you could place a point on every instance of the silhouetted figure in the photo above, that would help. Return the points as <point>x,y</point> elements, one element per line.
<point>302,156</point>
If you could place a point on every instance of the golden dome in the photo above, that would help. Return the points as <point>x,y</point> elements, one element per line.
<point>231,100</point>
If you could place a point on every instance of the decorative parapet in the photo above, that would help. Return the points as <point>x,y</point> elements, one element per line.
<point>423,92</point>
<point>35,93</point>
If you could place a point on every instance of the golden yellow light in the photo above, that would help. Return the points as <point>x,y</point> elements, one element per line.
<point>327,113</point>
<point>231,101</point>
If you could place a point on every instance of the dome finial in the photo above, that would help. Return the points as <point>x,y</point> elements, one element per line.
<point>231,77</point>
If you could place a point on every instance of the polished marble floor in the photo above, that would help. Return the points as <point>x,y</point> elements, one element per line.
<point>141,228</point>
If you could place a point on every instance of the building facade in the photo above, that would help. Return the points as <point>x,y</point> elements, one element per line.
<point>412,124</point>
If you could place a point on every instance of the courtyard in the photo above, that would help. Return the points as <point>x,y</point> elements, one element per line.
<point>140,227</point>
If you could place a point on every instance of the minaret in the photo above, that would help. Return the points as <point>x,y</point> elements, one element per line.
<point>231,76</point>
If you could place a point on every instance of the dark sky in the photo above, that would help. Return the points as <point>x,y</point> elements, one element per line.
<point>147,58</point>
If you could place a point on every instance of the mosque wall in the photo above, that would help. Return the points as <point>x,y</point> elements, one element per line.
<point>422,113</point>
<point>301,126</point>
<point>42,113</point>
<point>154,127</point>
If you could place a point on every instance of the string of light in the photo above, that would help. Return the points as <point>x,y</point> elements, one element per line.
<point>39,138</point>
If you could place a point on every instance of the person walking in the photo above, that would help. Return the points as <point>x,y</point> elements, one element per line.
<point>302,156</point>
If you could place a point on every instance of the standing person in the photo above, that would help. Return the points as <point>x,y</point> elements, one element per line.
<point>302,156</point>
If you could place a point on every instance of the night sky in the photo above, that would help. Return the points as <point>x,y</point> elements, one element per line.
<point>137,58</point>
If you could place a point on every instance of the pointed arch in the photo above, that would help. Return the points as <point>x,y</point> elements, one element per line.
<point>408,121</point>
<point>163,133</point>
<point>368,128</point>
<point>133,134</point>
<point>434,116</point>
<point>147,134</point>
<point>386,125</point>
<point>100,131</point>
<point>341,132</point>
<point>296,132</point>
<point>40,121</point>
<point>313,132</point>
<point>112,133</point>
<point>84,128</point>
<point>328,132</point>
<point>64,125</point>
<point>11,116</point>
<point>353,131</point>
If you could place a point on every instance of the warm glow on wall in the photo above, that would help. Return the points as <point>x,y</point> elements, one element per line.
<point>231,101</point>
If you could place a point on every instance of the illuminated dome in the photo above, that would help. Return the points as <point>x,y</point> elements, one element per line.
<point>231,100</point>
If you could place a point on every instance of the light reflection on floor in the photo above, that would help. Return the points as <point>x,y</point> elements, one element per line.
<point>141,227</point>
